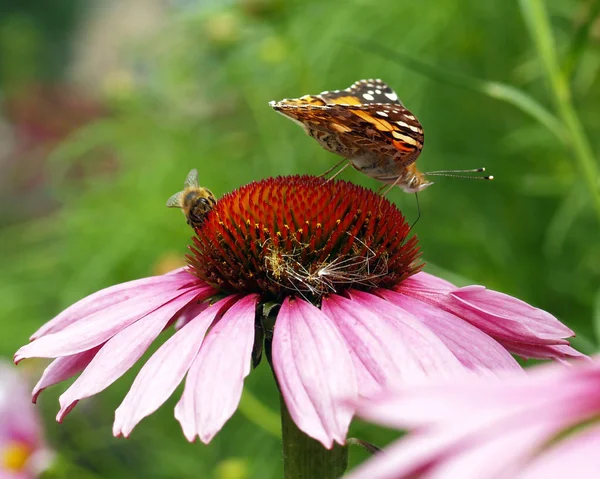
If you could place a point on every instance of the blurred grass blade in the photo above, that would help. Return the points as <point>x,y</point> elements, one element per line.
<point>259,414</point>
<point>563,220</point>
<point>496,90</point>
<point>580,39</point>
<point>596,318</point>
<point>536,18</point>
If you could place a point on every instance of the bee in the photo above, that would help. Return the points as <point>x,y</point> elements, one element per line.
<point>195,201</point>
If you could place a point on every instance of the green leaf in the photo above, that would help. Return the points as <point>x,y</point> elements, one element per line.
<point>492,89</point>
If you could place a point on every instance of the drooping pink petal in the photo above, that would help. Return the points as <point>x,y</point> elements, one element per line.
<point>189,312</point>
<point>120,352</point>
<point>492,453</point>
<point>558,352</point>
<point>470,399</point>
<point>215,380</point>
<point>390,344</point>
<point>405,459</point>
<point>374,361</point>
<point>314,370</point>
<point>476,427</point>
<point>503,317</point>
<point>576,456</point>
<point>427,282</point>
<point>163,372</point>
<point>99,327</point>
<point>113,295</point>
<point>508,317</point>
<point>475,350</point>
<point>20,427</point>
<point>19,419</point>
<point>468,447</point>
<point>63,368</point>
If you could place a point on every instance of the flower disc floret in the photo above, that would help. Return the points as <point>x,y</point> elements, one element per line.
<point>303,235</point>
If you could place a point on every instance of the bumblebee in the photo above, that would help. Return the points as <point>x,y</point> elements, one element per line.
<point>195,201</point>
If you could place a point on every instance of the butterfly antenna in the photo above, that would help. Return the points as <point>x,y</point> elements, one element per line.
<point>451,174</point>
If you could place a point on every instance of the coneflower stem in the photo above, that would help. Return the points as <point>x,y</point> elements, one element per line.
<point>303,457</point>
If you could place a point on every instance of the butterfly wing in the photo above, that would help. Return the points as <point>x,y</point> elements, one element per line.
<point>362,92</point>
<point>382,130</point>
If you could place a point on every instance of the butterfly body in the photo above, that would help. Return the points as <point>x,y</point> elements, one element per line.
<point>366,124</point>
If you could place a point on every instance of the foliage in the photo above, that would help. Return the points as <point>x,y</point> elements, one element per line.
<point>508,86</point>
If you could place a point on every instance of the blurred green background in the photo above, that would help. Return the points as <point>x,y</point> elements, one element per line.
<point>106,105</point>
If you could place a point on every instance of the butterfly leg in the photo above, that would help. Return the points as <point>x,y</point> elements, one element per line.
<point>334,167</point>
<point>338,171</point>
<point>385,189</point>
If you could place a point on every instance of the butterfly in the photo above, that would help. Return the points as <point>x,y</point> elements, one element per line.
<point>368,126</point>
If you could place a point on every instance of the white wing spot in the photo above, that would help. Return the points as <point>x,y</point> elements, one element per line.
<point>410,117</point>
<point>368,96</point>
<point>392,96</point>
<point>378,91</point>
<point>383,113</point>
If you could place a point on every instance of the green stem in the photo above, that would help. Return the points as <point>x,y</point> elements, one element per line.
<point>536,18</point>
<point>304,458</point>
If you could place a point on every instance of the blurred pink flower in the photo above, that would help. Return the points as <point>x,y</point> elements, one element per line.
<point>542,426</point>
<point>23,452</point>
<point>333,262</point>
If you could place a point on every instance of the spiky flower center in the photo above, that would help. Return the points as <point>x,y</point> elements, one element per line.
<point>302,235</point>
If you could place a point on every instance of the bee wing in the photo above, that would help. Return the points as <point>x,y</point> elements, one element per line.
<point>192,178</point>
<point>175,200</point>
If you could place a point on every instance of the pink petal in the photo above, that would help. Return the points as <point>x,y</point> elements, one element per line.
<point>496,452</point>
<point>100,326</point>
<point>558,352</point>
<point>120,353</point>
<point>63,368</point>
<point>433,356</point>
<point>163,372</point>
<point>467,450</point>
<point>113,295</point>
<point>575,456</point>
<point>475,350</point>
<point>471,398</point>
<point>215,380</point>
<point>189,312</point>
<point>405,458</point>
<point>390,345</point>
<point>314,371</point>
<point>427,282</point>
<point>506,317</point>
<point>19,419</point>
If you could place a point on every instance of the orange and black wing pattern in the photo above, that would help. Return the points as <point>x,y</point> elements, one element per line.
<point>368,116</point>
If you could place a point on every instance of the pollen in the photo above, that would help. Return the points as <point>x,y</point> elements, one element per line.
<point>303,236</point>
